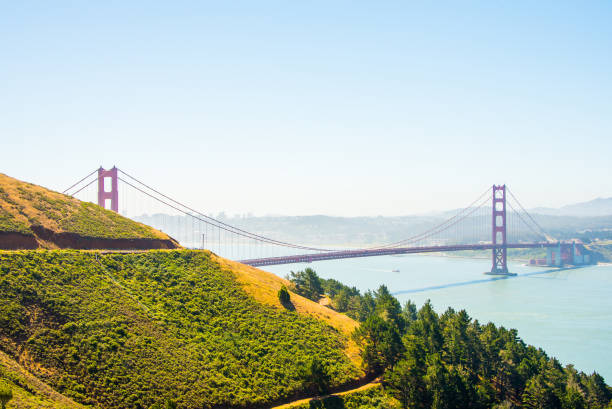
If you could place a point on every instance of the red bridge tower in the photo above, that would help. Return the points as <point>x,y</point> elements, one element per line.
<point>500,250</point>
<point>113,193</point>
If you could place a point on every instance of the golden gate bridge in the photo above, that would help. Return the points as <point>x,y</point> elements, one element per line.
<point>494,221</point>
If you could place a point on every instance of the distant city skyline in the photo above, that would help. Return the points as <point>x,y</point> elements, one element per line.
<point>343,109</point>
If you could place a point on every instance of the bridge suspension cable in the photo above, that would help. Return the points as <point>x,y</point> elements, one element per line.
<point>216,222</point>
<point>219,224</point>
<point>442,226</point>
<point>462,229</point>
<point>80,181</point>
<point>86,186</point>
<point>541,230</point>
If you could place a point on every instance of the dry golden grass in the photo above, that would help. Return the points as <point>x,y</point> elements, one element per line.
<point>15,201</point>
<point>264,286</point>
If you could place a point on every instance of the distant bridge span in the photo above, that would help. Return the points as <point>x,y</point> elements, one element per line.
<point>491,222</point>
<point>342,254</point>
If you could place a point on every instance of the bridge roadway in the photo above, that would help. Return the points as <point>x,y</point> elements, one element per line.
<point>334,255</point>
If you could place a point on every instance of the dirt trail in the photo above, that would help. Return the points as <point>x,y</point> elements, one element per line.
<point>369,385</point>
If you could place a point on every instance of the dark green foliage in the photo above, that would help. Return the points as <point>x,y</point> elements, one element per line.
<point>307,284</point>
<point>6,394</point>
<point>449,361</point>
<point>388,308</point>
<point>130,330</point>
<point>406,383</point>
<point>348,299</point>
<point>315,376</point>
<point>539,394</point>
<point>380,344</point>
<point>283,296</point>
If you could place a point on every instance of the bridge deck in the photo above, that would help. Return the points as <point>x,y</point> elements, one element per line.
<point>334,255</point>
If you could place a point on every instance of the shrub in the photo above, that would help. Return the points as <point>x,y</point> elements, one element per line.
<point>315,376</point>
<point>283,296</point>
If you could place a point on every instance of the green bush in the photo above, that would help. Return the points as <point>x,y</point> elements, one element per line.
<point>283,296</point>
<point>315,376</point>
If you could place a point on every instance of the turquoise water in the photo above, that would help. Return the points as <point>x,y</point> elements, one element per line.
<point>568,313</point>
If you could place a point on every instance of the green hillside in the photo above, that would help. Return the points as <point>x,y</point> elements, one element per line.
<point>132,330</point>
<point>32,217</point>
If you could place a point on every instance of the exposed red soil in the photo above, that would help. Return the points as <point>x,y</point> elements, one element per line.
<point>44,238</point>
<point>17,241</point>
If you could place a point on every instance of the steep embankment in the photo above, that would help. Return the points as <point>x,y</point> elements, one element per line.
<point>34,217</point>
<point>131,330</point>
<point>28,391</point>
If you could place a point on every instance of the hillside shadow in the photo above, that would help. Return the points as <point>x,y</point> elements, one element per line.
<point>288,305</point>
<point>330,402</point>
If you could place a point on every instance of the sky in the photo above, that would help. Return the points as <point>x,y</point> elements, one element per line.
<point>312,107</point>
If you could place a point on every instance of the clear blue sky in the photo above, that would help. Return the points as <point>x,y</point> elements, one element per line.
<point>327,107</point>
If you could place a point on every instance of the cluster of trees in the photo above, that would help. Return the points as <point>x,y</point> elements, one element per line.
<point>449,360</point>
<point>348,300</point>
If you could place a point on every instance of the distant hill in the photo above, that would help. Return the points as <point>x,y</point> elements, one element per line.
<point>371,231</point>
<point>317,229</point>
<point>134,330</point>
<point>34,217</point>
<point>593,208</point>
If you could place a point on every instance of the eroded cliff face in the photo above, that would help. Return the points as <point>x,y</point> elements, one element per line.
<point>43,238</point>
<point>17,241</point>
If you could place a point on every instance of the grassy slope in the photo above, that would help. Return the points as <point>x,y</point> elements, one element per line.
<point>264,286</point>
<point>134,329</point>
<point>23,205</point>
<point>28,391</point>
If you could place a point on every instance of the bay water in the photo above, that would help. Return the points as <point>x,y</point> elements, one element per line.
<point>567,312</point>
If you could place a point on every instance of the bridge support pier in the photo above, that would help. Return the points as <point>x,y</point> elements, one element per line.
<point>553,256</point>
<point>578,258</point>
